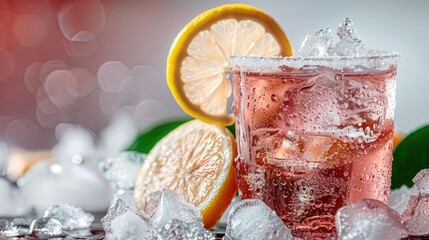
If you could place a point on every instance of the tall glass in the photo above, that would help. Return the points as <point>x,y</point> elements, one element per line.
<point>314,134</point>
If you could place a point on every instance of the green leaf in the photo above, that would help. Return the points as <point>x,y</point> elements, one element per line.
<point>145,141</point>
<point>231,128</point>
<point>410,156</point>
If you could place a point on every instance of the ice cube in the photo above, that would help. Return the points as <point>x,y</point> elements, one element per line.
<point>122,170</point>
<point>369,219</point>
<point>399,197</point>
<point>12,202</point>
<point>122,223</point>
<point>179,230</point>
<point>22,225</point>
<point>421,180</point>
<point>416,215</point>
<point>73,140</point>
<point>127,196</point>
<point>80,234</point>
<point>349,45</point>
<point>46,227</point>
<point>323,103</point>
<point>318,44</point>
<point>162,206</point>
<point>70,217</point>
<point>118,135</point>
<point>253,219</point>
<point>54,182</point>
<point>4,151</point>
<point>7,230</point>
<point>224,219</point>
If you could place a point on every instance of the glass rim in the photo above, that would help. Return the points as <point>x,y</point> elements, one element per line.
<point>374,60</point>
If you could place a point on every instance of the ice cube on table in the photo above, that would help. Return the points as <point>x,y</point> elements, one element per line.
<point>22,225</point>
<point>224,219</point>
<point>421,180</point>
<point>46,228</point>
<point>252,219</point>
<point>117,135</point>
<point>122,223</point>
<point>65,182</point>
<point>179,230</point>
<point>127,196</point>
<point>7,229</point>
<point>70,217</point>
<point>162,206</point>
<point>399,197</point>
<point>73,140</point>
<point>369,219</point>
<point>122,170</point>
<point>416,215</point>
<point>318,44</point>
<point>4,151</point>
<point>12,201</point>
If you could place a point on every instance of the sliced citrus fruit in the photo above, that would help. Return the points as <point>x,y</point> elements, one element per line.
<point>20,161</point>
<point>196,161</point>
<point>197,65</point>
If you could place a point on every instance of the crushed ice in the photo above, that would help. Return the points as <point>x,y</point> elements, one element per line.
<point>320,49</point>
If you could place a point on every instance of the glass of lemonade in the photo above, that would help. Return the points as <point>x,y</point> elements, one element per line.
<point>314,134</point>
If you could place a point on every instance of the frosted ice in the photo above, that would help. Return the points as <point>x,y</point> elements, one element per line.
<point>421,180</point>
<point>127,196</point>
<point>322,103</point>
<point>22,225</point>
<point>416,215</point>
<point>84,233</point>
<point>73,140</point>
<point>321,43</point>
<point>318,49</point>
<point>3,157</point>
<point>349,45</point>
<point>318,44</point>
<point>70,217</point>
<point>252,219</point>
<point>224,219</point>
<point>80,185</point>
<point>369,219</point>
<point>179,230</point>
<point>7,230</point>
<point>118,135</point>
<point>46,227</point>
<point>122,223</point>
<point>162,206</point>
<point>399,197</point>
<point>12,202</point>
<point>122,170</point>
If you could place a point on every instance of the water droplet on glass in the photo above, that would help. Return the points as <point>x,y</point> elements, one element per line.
<point>274,98</point>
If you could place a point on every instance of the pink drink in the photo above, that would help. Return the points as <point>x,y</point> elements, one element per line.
<point>313,139</point>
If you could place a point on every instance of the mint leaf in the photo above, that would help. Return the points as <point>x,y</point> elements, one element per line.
<point>410,156</point>
<point>146,140</point>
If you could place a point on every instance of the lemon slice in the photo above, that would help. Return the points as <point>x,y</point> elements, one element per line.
<point>197,65</point>
<point>196,161</point>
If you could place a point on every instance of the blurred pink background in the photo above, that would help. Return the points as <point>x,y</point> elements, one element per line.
<point>85,61</point>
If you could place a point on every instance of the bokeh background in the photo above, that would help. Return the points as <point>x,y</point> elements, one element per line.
<point>91,62</point>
